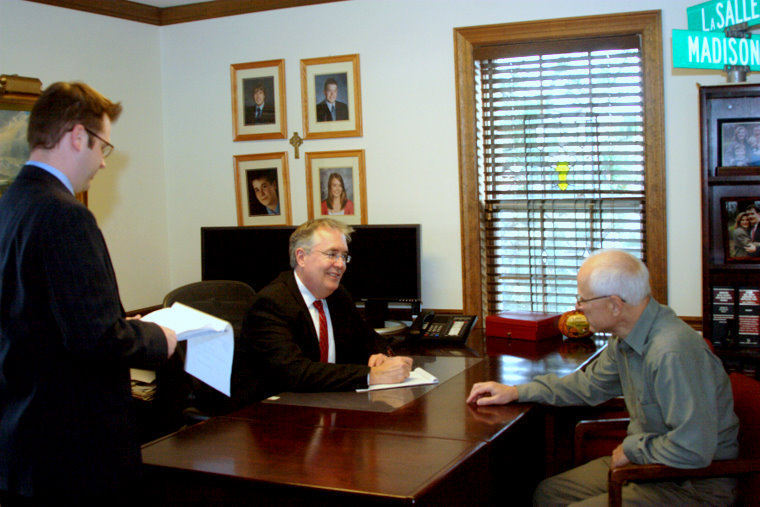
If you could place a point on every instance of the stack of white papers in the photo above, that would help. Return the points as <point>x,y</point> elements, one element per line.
<point>417,377</point>
<point>210,343</point>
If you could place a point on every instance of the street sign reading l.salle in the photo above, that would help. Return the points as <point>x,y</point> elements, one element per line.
<point>717,15</point>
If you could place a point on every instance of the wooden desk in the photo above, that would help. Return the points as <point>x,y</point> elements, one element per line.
<point>432,449</point>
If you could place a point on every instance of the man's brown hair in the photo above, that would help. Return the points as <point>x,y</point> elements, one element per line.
<point>64,105</point>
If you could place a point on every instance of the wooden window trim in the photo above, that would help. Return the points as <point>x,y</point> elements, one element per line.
<point>469,39</point>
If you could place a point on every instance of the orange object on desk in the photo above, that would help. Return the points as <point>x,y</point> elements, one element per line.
<point>574,324</point>
<point>522,325</point>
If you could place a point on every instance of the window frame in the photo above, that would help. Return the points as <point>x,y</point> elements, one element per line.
<point>467,40</point>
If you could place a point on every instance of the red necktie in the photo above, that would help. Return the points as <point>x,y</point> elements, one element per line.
<point>324,344</point>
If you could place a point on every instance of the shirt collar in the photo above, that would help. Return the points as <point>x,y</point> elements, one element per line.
<point>637,338</point>
<point>308,297</point>
<point>55,172</point>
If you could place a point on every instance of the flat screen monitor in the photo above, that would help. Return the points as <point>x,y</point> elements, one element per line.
<point>384,268</point>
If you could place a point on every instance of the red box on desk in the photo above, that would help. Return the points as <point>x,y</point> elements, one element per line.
<point>523,325</point>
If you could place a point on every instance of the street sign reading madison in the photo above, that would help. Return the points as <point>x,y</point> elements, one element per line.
<point>721,14</point>
<point>708,50</point>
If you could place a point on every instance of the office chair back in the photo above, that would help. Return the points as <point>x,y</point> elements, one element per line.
<point>180,392</point>
<point>227,299</point>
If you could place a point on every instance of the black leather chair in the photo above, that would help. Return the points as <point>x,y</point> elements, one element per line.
<point>185,399</point>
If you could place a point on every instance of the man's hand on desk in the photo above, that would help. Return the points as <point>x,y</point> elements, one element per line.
<point>377,360</point>
<point>492,393</point>
<point>489,414</point>
<point>391,370</point>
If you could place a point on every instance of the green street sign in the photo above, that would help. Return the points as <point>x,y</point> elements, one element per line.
<point>711,50</point>
<point>717,15</point>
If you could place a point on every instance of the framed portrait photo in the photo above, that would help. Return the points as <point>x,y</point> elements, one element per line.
<point>740,220</point>
<point>261,189</point>
<point>336,186</point>
<point>258,100</point>
<point>331,97</point>
<point>739,145</point>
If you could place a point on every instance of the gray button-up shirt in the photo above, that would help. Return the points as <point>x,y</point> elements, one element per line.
<point>677,392</point>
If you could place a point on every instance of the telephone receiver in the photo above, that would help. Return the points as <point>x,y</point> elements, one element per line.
<point>447,328</point>
<point>421,322</point>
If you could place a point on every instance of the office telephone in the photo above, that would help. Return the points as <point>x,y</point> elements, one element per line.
<point>446,328</point>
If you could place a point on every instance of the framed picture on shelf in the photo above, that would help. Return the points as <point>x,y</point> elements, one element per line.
<point>331,97</point>
<point>258,100</point>
<point>262,189</point>
<point>740,221</point>
<point>335,185</point>
<point>739,145</point>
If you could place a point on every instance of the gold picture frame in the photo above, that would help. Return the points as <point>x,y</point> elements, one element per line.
<point>328,170</point>
<point>331,97</point>
<point>262,189</point>
<point>253,81</point>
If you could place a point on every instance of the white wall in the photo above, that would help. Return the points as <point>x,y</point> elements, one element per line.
<point>406,51</point>
<point>120,59</point>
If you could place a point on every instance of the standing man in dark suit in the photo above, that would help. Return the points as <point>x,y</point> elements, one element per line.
<point>289,344</point>
<point>331,109</point>
<point>68,434</point>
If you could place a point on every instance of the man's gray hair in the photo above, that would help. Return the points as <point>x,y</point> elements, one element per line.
<point>303,237</point>
<point>616,272</point>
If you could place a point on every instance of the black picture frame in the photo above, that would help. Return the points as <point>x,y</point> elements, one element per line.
<point>739,144</point>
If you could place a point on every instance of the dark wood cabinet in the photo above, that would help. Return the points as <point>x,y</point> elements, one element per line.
<point>730,175</point>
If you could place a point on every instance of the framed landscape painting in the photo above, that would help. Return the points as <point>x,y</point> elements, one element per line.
<point>14,150</point>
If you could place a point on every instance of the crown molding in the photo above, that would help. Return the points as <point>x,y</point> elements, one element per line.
<point>142,13</point>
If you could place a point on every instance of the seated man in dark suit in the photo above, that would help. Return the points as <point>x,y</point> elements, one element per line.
<point>289,344</point>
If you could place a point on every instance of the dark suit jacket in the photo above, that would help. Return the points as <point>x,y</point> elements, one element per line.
<point>267,115</point>
<point>323,112</point>
<point>67,422</point>
<point>278,349</point>
<point>754,237</point>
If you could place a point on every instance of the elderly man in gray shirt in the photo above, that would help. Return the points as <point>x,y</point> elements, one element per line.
<point>676,391</point>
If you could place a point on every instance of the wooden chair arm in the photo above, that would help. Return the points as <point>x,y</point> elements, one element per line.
<point>592,425</point>
<point>719,468</point>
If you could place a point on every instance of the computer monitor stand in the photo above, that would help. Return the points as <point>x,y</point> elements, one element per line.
<point>391,326</point>
<point>376,315</point>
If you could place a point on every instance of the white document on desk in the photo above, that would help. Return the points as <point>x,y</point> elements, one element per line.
<point>210,343</point>
<point>417,377</point>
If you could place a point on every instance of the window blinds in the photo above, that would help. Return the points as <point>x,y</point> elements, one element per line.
<point>561,169</point>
